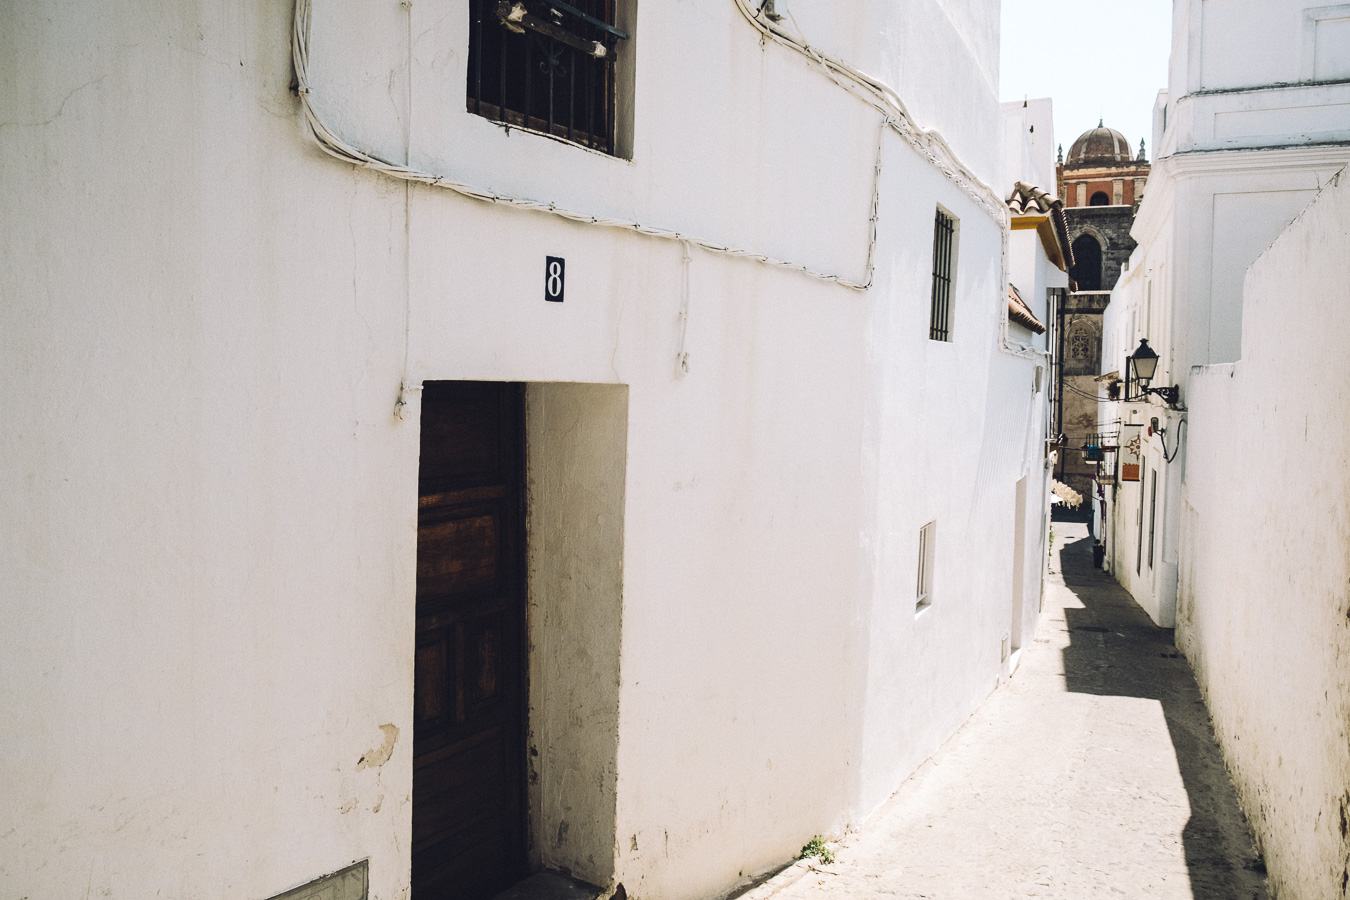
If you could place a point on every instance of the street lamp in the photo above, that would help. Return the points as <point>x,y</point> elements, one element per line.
<point>1140,368</point>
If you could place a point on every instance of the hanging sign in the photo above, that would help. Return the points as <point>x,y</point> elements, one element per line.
<point>1131,452</point>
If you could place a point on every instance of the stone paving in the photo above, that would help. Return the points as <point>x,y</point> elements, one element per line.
<point>1092,773</point>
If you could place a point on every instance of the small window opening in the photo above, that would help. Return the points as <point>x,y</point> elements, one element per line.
<point>1100,199</point>
<point>927,556</point>
<point>944,273</point>
<point>546,67</point>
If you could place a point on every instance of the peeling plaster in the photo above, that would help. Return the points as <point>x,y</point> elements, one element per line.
<point>379,756</point>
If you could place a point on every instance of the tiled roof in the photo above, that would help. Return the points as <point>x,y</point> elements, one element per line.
<point>1020,313</point>
<point>1029,200</point>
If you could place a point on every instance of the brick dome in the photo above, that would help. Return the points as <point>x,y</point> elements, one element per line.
<point>1100,145</point>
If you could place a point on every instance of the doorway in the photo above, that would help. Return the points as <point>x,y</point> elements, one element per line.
<point>1019,575</point>
<point>468,799</point>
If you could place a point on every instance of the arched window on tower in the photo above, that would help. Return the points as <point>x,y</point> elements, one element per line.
<point>1100,199</point>
<point>1080,342</point>
<point>1087,266</point>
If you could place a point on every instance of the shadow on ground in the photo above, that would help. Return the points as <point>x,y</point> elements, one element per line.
<point>1116,650</point>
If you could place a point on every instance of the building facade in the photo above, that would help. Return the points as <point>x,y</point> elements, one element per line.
<point>1039,257</point>
<point>1101,185</point>
<point>1262,614</point>
<point>1240,150</point>
<point>457,440</point>
<point>1221,529</point>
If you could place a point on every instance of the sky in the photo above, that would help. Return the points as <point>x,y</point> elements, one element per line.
<point>1096,59</point>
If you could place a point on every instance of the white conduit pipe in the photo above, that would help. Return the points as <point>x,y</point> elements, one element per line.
<point>928,142</point>
<point>894,116</point>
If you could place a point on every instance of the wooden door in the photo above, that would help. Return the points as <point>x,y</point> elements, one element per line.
<point>469,709</point>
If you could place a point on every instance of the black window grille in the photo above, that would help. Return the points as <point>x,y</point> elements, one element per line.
<point>944,239</point>
<point>1152,514</point>
<point>1139,549</point>
<point>546,67</point>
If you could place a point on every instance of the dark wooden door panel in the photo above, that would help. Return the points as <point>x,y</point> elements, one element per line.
<point>460,790</point>
<point>469,704</point>
<point>466,439</point>
<point>463,549</point>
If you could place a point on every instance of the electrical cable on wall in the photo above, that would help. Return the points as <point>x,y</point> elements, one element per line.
<point>928,142</point>
<point>681,356</point>
<point>1176,448</point>
<point>894,116</point>
<point>335,146</point>
<point>1096,398</point>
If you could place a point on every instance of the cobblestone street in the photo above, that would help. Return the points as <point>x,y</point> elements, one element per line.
<point>1092,773</point>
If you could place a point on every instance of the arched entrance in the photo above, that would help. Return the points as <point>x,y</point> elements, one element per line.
<point>1087,266</point>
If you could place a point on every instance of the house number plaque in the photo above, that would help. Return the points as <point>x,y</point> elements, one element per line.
<point>555,269</point>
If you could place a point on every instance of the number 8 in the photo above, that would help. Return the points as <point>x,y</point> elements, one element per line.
<point>554,285</point>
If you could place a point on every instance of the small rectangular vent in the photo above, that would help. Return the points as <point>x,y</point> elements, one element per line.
<point>351,883</point>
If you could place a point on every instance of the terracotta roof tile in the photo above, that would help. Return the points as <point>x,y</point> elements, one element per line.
<point>1020,313</point>
<point>1029,200</point>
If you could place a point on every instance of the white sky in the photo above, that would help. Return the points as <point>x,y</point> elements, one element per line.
<point>1094,58</point>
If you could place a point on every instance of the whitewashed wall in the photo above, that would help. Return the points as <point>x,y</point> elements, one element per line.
<point>1263,616</point>
<point>1248,73</point>
<point>1253,123</point>
<point>1029,144</point>
<point>207,556</point>
<point>1029,157</point>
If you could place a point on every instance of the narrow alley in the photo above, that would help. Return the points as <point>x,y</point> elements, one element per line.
<point>1092,773</point>
<point>504,449</point>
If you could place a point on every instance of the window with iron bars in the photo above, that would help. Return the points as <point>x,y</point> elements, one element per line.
<point>944,274</point>
<point>547,66</point>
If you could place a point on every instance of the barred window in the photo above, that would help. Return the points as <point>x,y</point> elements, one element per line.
<point>547,66</point>
<point>944,274</point>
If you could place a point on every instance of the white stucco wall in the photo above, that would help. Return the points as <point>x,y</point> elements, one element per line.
<point>1263,608</point>
<point>1250,73</point>
<point>1255,73</point>
<point>208,509</point>
<point>576,440</point>
<point>1035,276</point>
<point>1029,144</point>
<point>1207,216</point>
<point>936,53</point>
<point>1141,307</point>
<point>1254,127</point>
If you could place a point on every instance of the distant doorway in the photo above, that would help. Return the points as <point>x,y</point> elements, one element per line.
<point>1087,267</point>
<point>468,801</point>
<point>1019,573</point>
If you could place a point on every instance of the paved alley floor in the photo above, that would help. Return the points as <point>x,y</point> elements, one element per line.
<point>1092,773</point>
